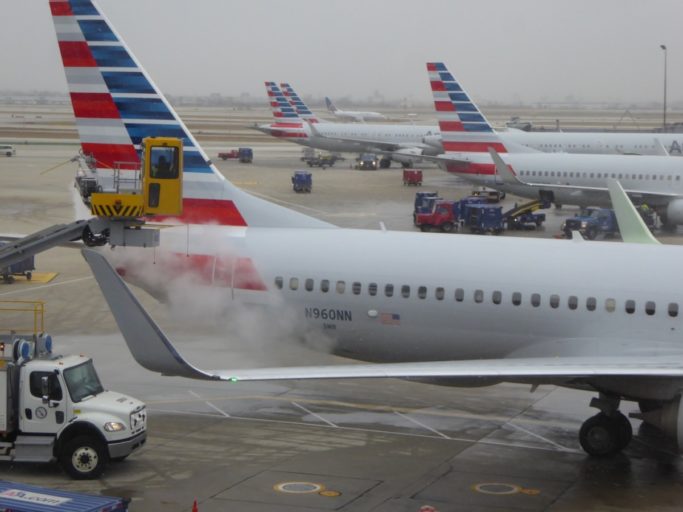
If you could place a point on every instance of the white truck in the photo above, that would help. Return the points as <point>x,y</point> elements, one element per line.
<point>54,408</point>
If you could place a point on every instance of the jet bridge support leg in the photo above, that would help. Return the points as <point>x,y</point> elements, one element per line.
<point>609,431</point>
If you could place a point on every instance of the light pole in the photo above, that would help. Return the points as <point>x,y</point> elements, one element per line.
<point>663,47</point>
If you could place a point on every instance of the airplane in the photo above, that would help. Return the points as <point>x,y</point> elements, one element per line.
<point>596,316</point>
<point>300,107</point>
<point>295,122</point>
<point>561,178</point>
<point>353,115</point>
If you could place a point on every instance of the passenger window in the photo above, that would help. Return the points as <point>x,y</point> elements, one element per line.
<point>573,302</point>
<point>673,309</point>
<point>535,300</point>
<point>389,290</point>
<point>278,282</point>
<point>439,293</point>
<point>516,298</point>
<point>554,301</point>
<point>341,286</point>
<point>478,295</point>
<point>54,390</point>
<point>325,285</point>
<point>650,307</point>
<point>496,297</point>
<point>591,303</point>
<point>422,292</point>
<point>405,291</point>
<point>294,283</point>
<point>372,289</point>
<point>610,305</point>
<point>356,288</point>
<point>308,284</point>
<point>630,306</point>
<point>459,294</point>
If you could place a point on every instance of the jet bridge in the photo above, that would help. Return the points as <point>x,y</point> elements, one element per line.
<point>119,206</point>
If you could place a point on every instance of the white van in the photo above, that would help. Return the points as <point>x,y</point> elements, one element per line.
<point>7,150</point>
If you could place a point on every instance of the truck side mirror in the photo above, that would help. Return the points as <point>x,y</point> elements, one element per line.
<point>45,388</point>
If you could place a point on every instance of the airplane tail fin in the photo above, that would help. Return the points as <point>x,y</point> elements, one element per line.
<point>283,110</point>
<point>295,101</point>
<point>330,105</point>
<point>116,104</point>
<point>464,129</point>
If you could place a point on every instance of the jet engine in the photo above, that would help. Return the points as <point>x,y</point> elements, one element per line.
<point>674,212</point>
<point>668,418</point>
<point>433,141</point>
<point>407,156</point>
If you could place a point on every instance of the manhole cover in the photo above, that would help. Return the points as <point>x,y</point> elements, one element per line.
<point>299,487</point>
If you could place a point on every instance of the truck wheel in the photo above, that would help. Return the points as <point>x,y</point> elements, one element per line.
<point>591,233</point>
<point>447,227</point>
<point>29,276</point>
<point>425,228</point>
<point>84,458</point>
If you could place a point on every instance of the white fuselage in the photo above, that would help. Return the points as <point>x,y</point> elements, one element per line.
<point>352,115</point>
<point>505,297</point>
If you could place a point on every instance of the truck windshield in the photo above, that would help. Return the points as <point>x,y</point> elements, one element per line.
<point>82,381</point>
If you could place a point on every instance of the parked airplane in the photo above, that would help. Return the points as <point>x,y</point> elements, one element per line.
<point>564,178</point>
<point>293,122</point>
<point>575,314</point>
<point>300,107</point>
<point>351,114</point>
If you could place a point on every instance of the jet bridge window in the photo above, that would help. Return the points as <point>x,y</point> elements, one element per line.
<point>294,283</point>
<point>478,296</point>
<point>439,293</point>
<point>630,306</point>
<point>405,291</point>
<point>496,297</point>
<point>573,302</point>
<point>535,299</point>
<point>372,289</point>
<point>309,284</point>
<point>356,288</point>
<point>610,305</point>
<point>516,298</point>
<point>325,285</point>
<point>341,286</point>
<point>650,307</point>
<point>591,303</point>
<point>278,282</point>
<point>459,294</point>
<point>554,301</point>
<point>673,309</point>
<point>389,290</point>
<point>422,292</point>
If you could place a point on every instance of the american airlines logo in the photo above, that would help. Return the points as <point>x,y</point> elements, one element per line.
<point>34,497</point>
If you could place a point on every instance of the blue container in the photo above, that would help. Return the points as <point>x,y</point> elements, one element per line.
<point>30,498</point>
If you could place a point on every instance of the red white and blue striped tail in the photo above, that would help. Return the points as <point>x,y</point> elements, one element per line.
<point>300,107</point>
<point>464,129</point>
<point>116,105</point>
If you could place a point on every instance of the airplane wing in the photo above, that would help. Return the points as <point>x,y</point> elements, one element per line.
<point>155,352</point>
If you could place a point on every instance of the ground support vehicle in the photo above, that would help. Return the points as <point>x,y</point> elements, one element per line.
<point>412,177</point>
<point>322,161</point>
<point>302,181</point>
<point>523,217</point>
<point>367,162</point>
<point>491,196</point>
<point>245,155</point>
<point>54,408</point>
<point>424,203</point>
<point>31,498</point>
<point>24,267</point>
<point>443,216</point>
<point>227,155</point>
<point>483,218</point>
<point>591,222</point>
<point>7,150</point>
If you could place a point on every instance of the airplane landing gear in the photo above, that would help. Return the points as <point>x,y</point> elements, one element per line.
<point>608,432</point>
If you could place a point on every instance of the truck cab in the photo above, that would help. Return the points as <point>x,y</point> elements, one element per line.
<point>444,216</point>
<point>591,222</point>
<point>55,408</point>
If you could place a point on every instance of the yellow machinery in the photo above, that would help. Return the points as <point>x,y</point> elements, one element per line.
<point>159,190</point>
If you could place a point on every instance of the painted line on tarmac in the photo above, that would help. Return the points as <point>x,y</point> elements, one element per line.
<point>419,423</point>
<point>33,289</point>
<point>370,430</point>
<point>217,409</point>
<point>315,415</point>
<point>538,436</point>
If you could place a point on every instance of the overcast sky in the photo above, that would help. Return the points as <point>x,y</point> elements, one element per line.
<point>501,50</point>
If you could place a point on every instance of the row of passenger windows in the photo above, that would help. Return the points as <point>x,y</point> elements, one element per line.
<point>585,146</point>
<point>600,175</point>
<point>478,296</point>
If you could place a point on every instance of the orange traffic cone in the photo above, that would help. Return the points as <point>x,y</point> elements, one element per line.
<point>195,508</point>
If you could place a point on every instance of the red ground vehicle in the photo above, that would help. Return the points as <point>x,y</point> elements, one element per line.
<point>412,177</point>
<point>443,216</point>
<point>233,153</point>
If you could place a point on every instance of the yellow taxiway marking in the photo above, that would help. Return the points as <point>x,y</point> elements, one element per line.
<point>37,277</point>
